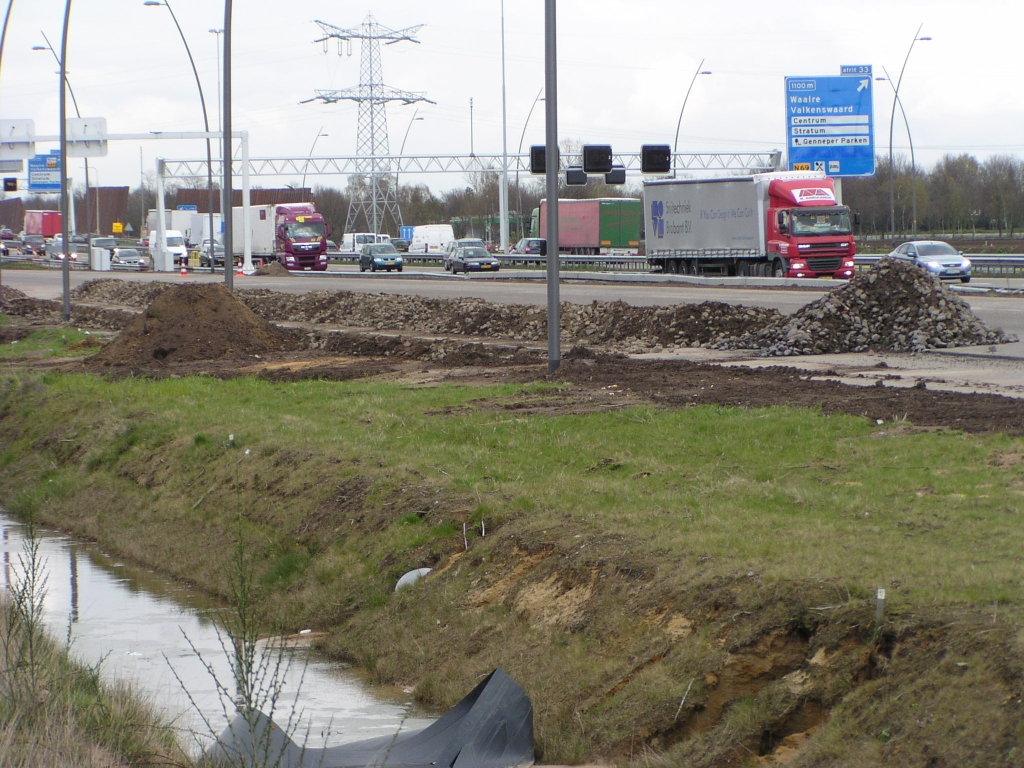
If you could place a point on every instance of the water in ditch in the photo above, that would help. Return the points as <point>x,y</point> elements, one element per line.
<point>151,631</point>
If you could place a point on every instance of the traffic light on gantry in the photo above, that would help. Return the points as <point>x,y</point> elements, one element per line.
<point>597,158</point>
<point>655,158</point>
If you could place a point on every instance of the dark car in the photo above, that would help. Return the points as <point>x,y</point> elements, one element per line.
<point>939,259</point>
<point>401,244</point>
<point>529,245</point>
<point>128,258</point>
<point>376,256</point>
<point>462,242</point>
<point>6,233</point>
<point>33,245</point>
<point>218,255</point>
<point>473,259</point>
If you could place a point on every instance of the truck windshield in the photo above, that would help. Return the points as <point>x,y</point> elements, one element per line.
<point>298,229</point>
<point>811,222</point>
<point>174,242</point>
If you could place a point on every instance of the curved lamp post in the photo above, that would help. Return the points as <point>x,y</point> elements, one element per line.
<point>519,152</point>
<point>913,165</point>
<point>305,165</point>
<point>401,151</point>
<point>679,122</point>
<point>78,112</point>
<point>892,120</point>
<point>206,127</point>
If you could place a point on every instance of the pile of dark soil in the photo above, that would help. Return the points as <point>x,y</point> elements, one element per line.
<point>10,294</point>
<point>193,322</point>
<point>273,269</point>
<point>127,293</point>
<point>893,307</point>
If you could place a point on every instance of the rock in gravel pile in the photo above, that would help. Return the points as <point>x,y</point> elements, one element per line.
<point>187,323</point>
<point>893,307</point>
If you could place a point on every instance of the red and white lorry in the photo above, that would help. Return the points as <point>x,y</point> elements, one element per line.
<point>45,223</point>
<point>292,233</point>
<point>785,224</point>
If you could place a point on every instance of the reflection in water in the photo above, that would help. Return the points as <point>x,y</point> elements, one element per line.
<point>73,555</point>
<point>144,628</point>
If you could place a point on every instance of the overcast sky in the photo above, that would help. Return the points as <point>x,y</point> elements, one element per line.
<point>624,68</point>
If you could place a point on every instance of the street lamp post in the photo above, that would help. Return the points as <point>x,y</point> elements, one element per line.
<point>679,122</point>
<point>74,102</point>
<point>401,151</point>
<point>63,117</point>
<point>519,152</point>
<point>892,120</point>
<point>913,164</point>
<point>206,127</point>
<point>305,165</point>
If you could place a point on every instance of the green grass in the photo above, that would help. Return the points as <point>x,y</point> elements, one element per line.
<point>787,494</point>
<point>47,342</point>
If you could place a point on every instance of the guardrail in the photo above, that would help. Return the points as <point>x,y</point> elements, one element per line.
<point>994,265</point>
<point>47,262</point>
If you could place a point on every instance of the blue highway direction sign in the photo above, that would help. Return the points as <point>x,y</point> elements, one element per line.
<point>830,125</point>
<point>44,173</point>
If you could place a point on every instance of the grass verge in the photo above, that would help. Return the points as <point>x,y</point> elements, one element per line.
<point>681,585</point>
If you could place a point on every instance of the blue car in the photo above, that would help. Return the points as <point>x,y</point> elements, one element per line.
<point>376,256</point>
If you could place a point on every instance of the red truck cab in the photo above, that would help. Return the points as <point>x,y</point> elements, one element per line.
<point>301,236</point>
<point>809,232</point>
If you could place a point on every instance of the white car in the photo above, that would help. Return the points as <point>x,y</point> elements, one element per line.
<point>938,258</point>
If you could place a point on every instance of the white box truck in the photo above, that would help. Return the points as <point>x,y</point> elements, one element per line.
<point>785,224</point>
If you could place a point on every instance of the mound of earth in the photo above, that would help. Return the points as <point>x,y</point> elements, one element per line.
<point>128,293</point>
<point>188,323</point>
<point>893,307</point>
<point>273,269</point>
<point>10,294</point>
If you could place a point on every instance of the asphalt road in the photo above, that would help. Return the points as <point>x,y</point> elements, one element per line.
<point>1006,312</point>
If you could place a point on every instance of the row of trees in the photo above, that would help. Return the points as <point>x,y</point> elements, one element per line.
<point>958,195</point>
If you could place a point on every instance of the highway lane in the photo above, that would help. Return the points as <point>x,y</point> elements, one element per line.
<point>1006,312</point>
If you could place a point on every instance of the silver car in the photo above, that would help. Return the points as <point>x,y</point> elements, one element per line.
<point>938,258</point>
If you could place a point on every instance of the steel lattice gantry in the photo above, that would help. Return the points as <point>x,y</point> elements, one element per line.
<point>697,164</point>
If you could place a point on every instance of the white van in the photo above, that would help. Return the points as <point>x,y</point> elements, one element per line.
<point>176,246</point>
<point>431,238</point>
<point>353,242</point>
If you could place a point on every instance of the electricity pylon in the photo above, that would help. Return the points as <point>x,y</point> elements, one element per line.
<point>379,199</point>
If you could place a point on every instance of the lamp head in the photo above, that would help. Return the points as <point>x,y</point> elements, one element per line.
<point>153,2</point>
<point>705,72</point>
<point>40,48</point>
<point>926,37</point>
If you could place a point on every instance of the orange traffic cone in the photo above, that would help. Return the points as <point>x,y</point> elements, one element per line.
<point>240,273</point>
<point>184,270</point>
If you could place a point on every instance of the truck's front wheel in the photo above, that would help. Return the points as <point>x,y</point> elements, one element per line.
<point>779,268</point>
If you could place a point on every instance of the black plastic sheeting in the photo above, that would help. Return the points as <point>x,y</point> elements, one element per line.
<point>492,727</point>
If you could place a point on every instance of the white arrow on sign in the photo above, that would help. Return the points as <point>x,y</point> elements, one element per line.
<point>863,84</point>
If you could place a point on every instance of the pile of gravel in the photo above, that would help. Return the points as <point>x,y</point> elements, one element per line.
<point>893,307</point>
